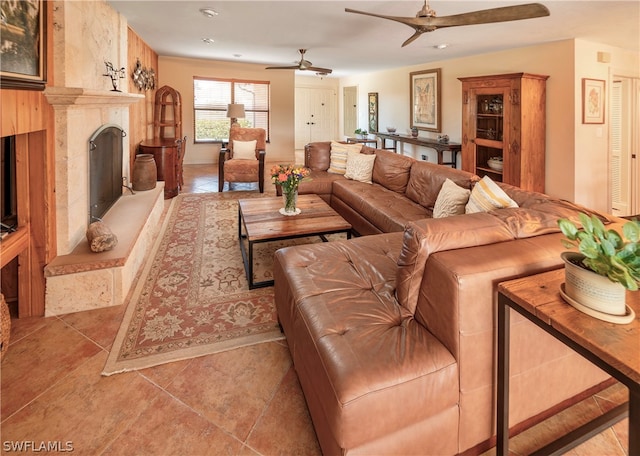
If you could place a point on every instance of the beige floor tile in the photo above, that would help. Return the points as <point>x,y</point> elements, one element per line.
<point>232,388</point>
<point>286,428</point>
<point>169,427</point>
<point>39,360</point>
<point>84,408</point>
<point>99,325</point>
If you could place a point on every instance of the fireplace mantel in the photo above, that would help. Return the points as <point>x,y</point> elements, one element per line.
<point>63,97</point>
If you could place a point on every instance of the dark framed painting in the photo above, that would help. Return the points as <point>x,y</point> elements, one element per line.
<point>425,100</point>
<point>24,43</point>
<point>373,112</point>
<point>593,91</point>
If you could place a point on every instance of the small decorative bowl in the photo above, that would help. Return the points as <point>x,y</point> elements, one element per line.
<point>391,129</point>
<point>495,164</point>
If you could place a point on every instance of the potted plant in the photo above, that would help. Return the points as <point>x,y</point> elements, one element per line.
<point>605,266</point>
<point>360,133</point>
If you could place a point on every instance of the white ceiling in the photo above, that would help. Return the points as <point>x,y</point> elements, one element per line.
<point>271,32</point>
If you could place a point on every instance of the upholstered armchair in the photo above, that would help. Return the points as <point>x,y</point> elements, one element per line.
<point>243,159</point>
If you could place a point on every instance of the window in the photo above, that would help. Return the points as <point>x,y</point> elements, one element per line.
<point>211,97</point>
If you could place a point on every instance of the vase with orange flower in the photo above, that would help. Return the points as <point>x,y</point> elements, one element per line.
<point>288,177</point>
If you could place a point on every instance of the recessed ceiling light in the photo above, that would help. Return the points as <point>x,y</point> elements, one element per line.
<point>208,40</point>
<point>441,46</point>
<point>208,12</point>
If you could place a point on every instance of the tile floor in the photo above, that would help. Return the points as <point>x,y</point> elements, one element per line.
<point>242,402</point>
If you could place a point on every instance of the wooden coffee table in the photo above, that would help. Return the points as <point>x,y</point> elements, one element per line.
<point>259,221</point>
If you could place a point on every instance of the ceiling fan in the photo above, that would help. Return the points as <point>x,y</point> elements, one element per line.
<point>303,65</point>
<point>426,20</point>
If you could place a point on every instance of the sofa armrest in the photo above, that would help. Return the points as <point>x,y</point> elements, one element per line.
<point>425,237</point>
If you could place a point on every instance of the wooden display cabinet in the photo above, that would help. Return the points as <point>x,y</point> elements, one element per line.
<point>503,118</point>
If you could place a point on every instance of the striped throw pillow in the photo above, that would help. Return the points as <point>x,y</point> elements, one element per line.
<point>487,196</point>
<point>339,152</point>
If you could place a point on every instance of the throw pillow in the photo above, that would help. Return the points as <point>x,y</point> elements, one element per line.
<point>360,167</point>
<point>451,200</point>
<point>339,154</point>
<point>244,150</point>
<point>487,196</point>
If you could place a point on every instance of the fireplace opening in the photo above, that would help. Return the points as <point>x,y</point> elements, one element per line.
<point>105,169</point>
<point>8,185</point>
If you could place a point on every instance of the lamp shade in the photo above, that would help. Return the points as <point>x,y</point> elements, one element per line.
<point>235,111</point>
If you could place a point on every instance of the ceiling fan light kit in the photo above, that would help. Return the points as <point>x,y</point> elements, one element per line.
<point>426,19</point>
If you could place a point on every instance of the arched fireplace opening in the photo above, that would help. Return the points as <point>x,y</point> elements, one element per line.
<point>105,169</point>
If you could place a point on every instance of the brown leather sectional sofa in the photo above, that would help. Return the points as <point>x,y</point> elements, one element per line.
<point>393,335</point>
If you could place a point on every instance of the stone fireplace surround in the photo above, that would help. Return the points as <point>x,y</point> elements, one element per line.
<point>78,279</point>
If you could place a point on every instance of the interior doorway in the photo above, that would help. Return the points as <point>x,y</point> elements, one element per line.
<point>624,165</point>
<point>350,108</point>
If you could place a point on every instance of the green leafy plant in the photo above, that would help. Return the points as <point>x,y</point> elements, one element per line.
<point>606,252</point>
<point>360,131</point>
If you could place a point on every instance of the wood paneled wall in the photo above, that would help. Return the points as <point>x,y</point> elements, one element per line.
<point>28,115</point>
<point>141,113</point>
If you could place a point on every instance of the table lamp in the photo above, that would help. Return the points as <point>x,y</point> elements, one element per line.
<point>235,111</point>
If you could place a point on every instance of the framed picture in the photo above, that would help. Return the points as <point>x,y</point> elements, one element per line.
<point>23,51</point>
<point>373,112</point>
<point>425,100</point>
<point>593,101</point>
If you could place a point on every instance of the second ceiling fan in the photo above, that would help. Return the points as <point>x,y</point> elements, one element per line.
<point>427,21</point>
<point>303,65</point>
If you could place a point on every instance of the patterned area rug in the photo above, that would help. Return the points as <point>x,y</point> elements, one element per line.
<point>193,297</point>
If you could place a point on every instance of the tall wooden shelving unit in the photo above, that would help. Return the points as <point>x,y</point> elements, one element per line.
<point>168,145</point>
<point>504,116</point>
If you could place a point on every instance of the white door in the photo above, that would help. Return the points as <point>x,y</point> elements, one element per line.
<point>624,144</point>
<point>350,103</point>
<point>315,115</point>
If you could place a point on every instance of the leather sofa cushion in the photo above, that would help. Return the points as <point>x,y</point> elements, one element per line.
<point>387,210</point>
<point>374,369</point>
<point>426,237</point>
<point>426,179</point>
<point>317,155</point>
<point>392,170</point>
<point>320,183</point>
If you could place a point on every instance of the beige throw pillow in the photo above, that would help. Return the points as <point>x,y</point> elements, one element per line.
<point>360,167</point>
<point>339,154</point>
<point>451,200</point>
<point>487,196</point>
<point>244,150</point>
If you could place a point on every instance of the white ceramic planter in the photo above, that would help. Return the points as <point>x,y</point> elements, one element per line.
<point>592,290</point>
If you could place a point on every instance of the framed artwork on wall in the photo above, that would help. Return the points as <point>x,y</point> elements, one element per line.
<point>23,52</point>
<point>593,101</point>
<point>373,112</point>
<point>425,100</point>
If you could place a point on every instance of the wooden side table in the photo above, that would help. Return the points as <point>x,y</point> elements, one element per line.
<point>613,348</point>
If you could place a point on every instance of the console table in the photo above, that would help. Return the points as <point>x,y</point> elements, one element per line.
<point>611,347</point>
<point>372,141</point>
<point>440,147</point>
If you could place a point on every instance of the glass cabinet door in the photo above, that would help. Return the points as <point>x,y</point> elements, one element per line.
<point>489,134</point>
